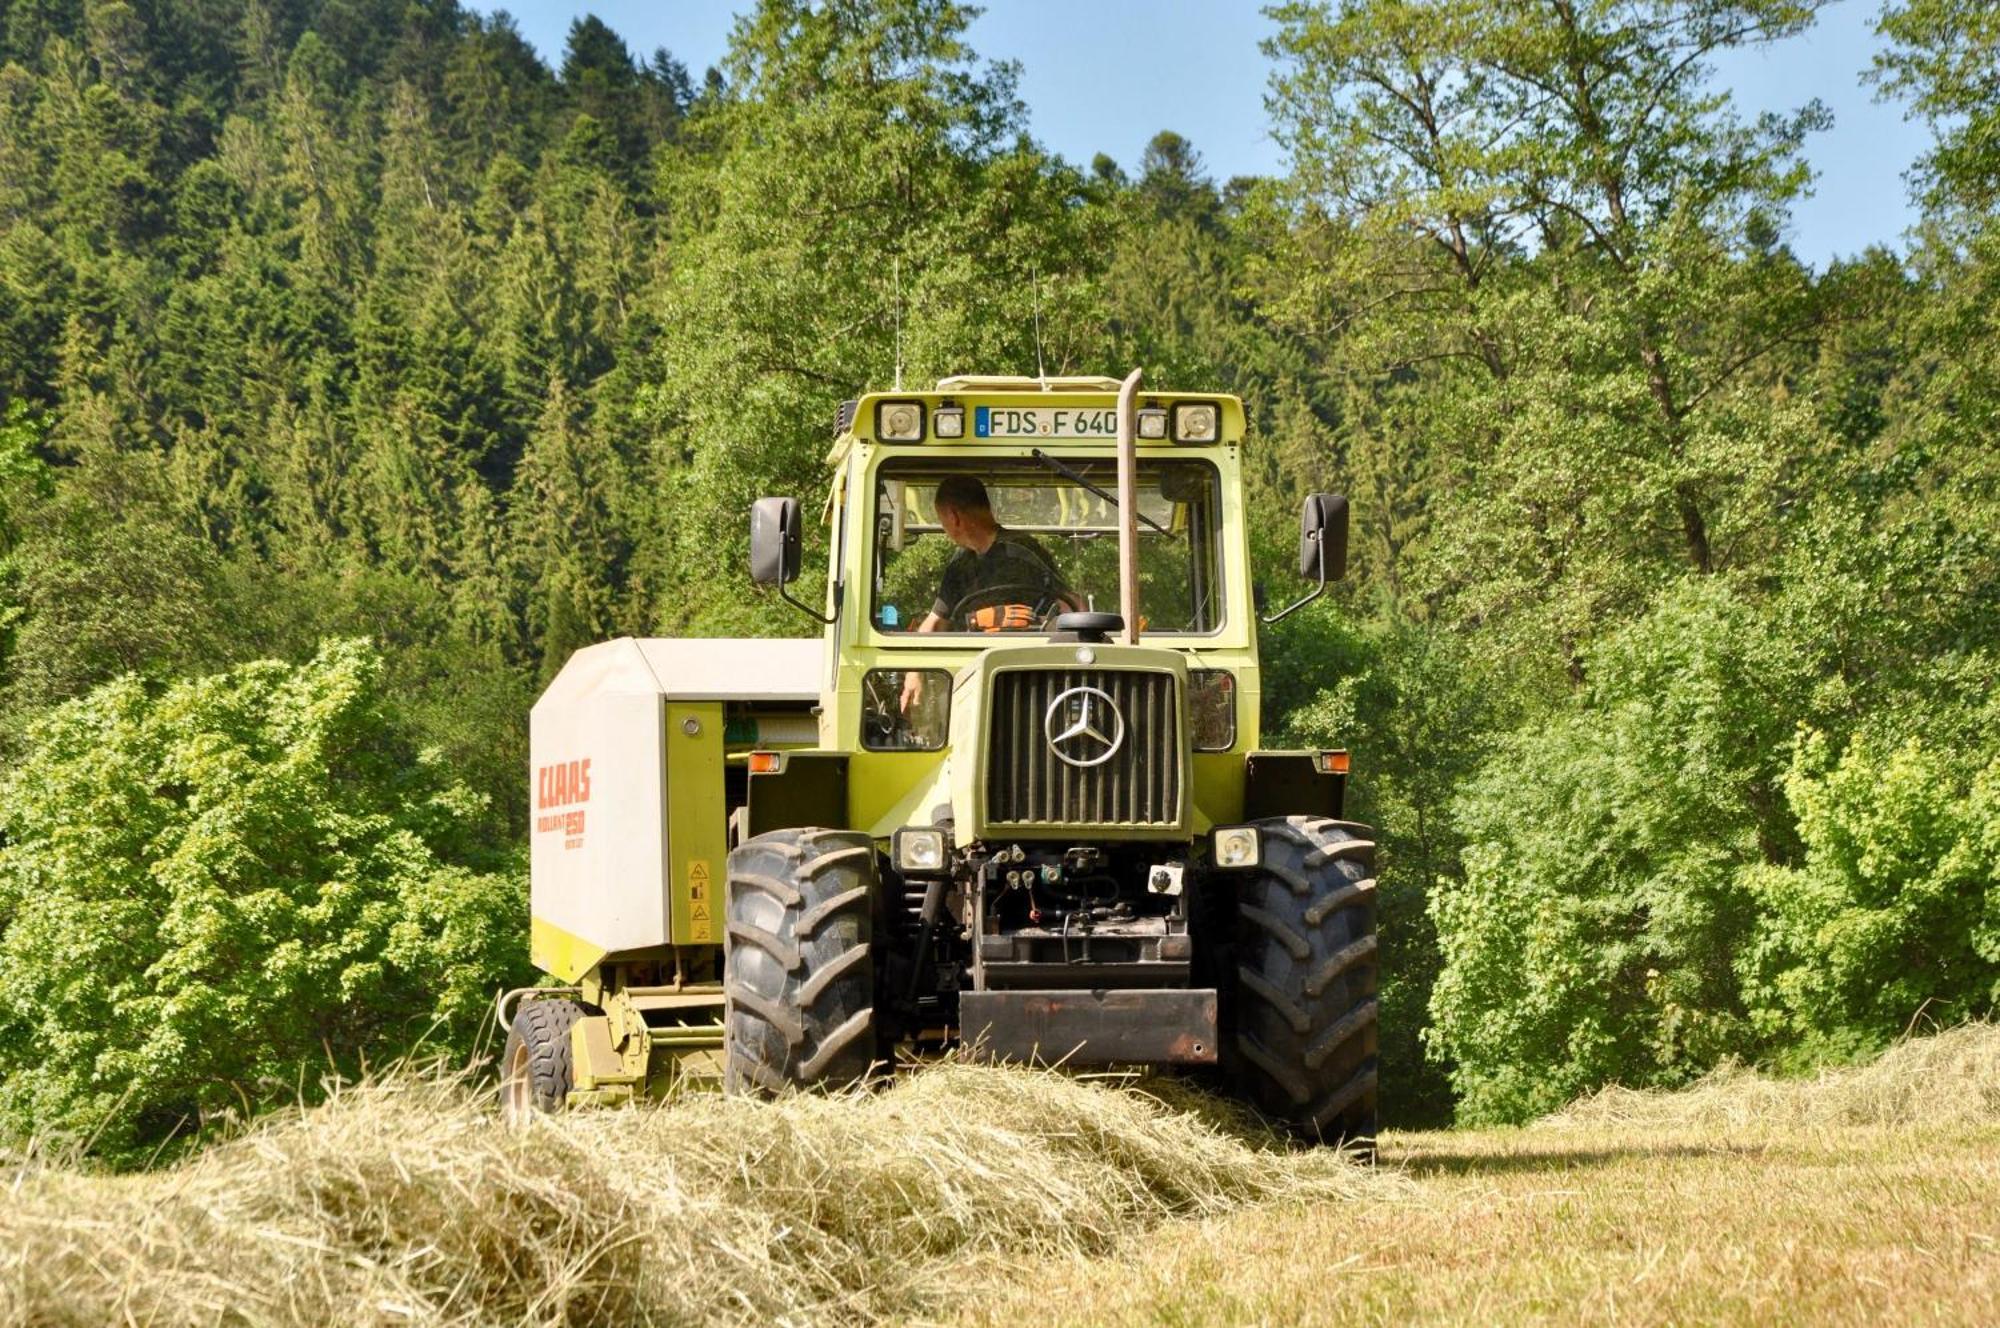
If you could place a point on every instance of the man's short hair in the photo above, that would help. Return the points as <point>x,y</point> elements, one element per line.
<point>963,493</point>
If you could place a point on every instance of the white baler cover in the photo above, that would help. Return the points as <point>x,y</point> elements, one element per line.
<point>597,772</point>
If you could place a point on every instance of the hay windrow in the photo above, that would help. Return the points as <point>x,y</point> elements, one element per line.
<point>1947,1080</point>
<point>405,1200</point>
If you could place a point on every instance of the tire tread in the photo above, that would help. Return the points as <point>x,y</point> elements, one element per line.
<point>542,1024</point>
<point>1304,1009</point>
<point>798,960</point>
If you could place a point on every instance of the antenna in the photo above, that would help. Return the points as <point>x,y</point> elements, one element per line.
<point>899,322</point>
<point>1041,373</point>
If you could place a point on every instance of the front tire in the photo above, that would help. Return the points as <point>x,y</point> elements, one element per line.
<point>1304,1045</point>
<point>798,963</point>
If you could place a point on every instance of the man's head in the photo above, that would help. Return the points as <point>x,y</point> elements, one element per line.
<point>964,512</point>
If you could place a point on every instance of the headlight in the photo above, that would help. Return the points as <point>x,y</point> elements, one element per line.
<point>949,421</point>
<point>1152,423</point>
<point>920,850</point>
<point>1212,709</point>
<point>899,421</point>
<point>1236,846</point>
<point>1196,422</point>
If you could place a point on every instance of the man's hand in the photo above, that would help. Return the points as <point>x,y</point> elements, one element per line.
<point>913,680</point>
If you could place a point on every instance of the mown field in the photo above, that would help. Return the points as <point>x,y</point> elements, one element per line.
<point>1586,1225</point>
<point>985,1196</point>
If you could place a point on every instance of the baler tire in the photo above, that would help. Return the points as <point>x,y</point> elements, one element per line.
<point>537,1066</point>
<point>1303,1042</point>
<point>798,965</point>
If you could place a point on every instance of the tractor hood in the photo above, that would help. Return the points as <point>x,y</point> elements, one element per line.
<point>1071,741</point>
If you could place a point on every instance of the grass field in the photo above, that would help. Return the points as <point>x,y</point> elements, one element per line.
<point>1866,1196</point>
<point>994,1197</point>
<point>1584,1225</point>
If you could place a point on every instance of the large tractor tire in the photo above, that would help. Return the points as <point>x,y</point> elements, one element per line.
<point>798,968</point>
<point>1303,1008</point>
<point>537,1067</point>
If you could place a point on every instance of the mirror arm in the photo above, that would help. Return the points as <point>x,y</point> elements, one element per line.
<point>809,611</point>
<point>1316,592</point>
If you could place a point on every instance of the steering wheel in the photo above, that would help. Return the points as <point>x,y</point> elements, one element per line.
<point>1042,600</point>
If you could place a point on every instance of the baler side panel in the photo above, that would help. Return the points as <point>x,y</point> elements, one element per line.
<point>697,820</point>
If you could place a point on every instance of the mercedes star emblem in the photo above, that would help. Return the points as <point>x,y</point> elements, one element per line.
<point>1075,727</point>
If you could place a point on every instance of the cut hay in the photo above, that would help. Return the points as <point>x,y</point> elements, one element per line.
<point>406,1201</point>
<point>1949,1079</point>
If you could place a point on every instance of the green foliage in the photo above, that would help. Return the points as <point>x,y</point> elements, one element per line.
<point>1541,235</point>
<point>1593,933</point>
<point>863,172</point>
<point>1893,916</point>
<point>215,894</point>
<point>1409,701</point>
<point>1941,57</point>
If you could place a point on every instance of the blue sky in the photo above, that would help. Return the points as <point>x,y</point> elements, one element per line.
<point>1195,67</point>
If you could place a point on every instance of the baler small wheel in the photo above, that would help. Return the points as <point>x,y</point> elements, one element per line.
<point>537,1067</point>
<point>798,967</point>
<point>1302,1005</point>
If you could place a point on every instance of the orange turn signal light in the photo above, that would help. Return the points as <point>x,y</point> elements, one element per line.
<point>765,763</point>
<point>1334,763</point>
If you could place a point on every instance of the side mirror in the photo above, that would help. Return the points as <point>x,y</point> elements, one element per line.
<point>1323,537</point>
<point>775,554</point>
<point>1322,547</point>
<point>774,541</point>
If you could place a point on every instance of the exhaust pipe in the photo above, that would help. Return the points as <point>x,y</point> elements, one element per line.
<point>1128,506</point>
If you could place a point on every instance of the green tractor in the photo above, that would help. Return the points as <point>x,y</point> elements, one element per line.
<point>1011,799</point>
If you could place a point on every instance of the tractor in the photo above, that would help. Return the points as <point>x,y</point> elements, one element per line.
<point>1009,801</point>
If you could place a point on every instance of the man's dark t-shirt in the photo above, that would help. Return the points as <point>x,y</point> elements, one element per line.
<point>1011,560</point>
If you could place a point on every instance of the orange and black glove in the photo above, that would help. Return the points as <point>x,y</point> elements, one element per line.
<point>1003,618</point>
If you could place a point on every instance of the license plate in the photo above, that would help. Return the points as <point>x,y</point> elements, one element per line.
<point>1044,422</point>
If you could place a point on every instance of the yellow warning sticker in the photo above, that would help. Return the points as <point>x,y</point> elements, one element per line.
<point>699,920</point>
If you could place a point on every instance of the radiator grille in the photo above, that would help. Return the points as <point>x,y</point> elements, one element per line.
<point>1028,785</point>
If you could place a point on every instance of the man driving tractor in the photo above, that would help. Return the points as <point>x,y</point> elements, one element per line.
<point>997,581</point>
<point>998,577</point>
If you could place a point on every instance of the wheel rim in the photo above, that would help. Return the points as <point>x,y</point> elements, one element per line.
<point>517,1097</point>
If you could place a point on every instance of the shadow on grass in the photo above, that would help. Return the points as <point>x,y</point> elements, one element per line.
<point>1421,1161</point>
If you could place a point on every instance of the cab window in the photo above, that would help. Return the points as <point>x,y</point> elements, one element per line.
<point>1046,542</point>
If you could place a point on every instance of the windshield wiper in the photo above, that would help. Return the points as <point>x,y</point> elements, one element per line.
<point>1074,478</point>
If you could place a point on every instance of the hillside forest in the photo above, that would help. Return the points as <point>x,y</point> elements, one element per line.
<point>357,366</point>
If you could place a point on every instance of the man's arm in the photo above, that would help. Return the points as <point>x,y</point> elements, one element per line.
<point>913,679</point>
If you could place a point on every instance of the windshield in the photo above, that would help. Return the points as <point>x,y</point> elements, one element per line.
<point>1000,545</point>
